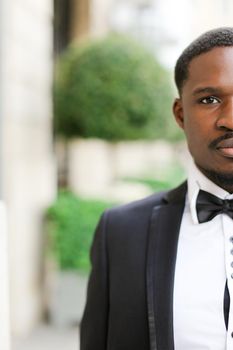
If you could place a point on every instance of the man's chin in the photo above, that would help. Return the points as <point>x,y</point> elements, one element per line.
<point>220,178</point>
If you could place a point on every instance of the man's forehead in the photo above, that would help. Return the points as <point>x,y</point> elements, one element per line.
<point>212,57</point>
<point>211,70</point>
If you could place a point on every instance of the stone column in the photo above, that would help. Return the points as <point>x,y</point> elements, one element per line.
<point>4,290</point>
<point>99,17</point>
<point>80,19</point>
<point>89,18</point>
<point>4,253</point>
<point>28,167</point>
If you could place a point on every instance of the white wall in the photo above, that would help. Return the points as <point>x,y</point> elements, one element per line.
<point>4,277</point>
<point>28,164</point>
<point>168,26</point>
<point>4,252</point>
<point>99,17</point>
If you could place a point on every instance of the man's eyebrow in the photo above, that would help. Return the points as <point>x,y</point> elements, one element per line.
<point>207,89</point>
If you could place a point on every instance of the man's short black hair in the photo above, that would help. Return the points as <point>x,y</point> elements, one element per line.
<point>219,37</point>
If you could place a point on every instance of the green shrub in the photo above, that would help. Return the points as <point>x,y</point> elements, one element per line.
<point>71,222</point>
<point>112,89</point>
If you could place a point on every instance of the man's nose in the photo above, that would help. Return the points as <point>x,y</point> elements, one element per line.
<point>225,119</point>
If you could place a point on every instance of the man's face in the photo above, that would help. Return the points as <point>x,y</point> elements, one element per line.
<point>205,111</point>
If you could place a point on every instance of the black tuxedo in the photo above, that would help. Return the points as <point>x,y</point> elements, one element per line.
<point>130,292</point>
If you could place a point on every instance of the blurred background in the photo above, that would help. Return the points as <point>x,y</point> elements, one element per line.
<point>86,89</point>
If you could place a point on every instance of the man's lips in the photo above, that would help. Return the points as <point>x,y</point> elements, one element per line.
<point>228,143</point>
<point>225,147</point>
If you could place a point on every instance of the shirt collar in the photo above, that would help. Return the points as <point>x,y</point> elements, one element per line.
<point>198,181</point>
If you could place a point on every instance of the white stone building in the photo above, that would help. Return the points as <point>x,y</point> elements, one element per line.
<point>27,166</point>
<point>167,26</point>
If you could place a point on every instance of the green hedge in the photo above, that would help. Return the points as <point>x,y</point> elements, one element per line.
<point>71,222</point>
<point>112,89</point>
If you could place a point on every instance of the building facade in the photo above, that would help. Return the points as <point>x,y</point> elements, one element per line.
<point>27,172</point>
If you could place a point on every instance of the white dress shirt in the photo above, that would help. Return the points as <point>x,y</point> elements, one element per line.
<point>204,263</point>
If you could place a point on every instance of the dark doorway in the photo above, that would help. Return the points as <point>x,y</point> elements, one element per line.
<point>62,10</point>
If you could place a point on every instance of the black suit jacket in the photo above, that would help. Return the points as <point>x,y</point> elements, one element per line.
<point>130,293</point>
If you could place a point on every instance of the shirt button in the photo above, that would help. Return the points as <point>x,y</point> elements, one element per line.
<point>231,239</point>
<point>231,334</point>
<point>232,264</point>
<point>231,251</point>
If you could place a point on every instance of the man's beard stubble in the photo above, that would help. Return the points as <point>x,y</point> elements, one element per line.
<point>223,180</point>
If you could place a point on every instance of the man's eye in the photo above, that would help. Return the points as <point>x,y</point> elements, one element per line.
<point>209,100</point>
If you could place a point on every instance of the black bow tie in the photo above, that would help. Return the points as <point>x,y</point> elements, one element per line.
<point>208,206</point>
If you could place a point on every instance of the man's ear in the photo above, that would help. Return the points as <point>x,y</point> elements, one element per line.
<point>178,112</point>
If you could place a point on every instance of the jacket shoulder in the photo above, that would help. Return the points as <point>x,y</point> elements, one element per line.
<point>133,216</point>
<point>138,213</point>
<point>140,205</point>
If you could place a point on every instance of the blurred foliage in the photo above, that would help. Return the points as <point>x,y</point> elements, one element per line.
<point>112,89</point>
<point>71,223</point>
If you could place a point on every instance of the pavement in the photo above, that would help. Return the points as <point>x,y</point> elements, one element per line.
<point>47,337</point>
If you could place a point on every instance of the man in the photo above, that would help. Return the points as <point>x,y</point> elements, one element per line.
<point>162,275</point>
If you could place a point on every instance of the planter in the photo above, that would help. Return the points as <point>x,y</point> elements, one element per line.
<point>67,298</point>
<point>89,170</point>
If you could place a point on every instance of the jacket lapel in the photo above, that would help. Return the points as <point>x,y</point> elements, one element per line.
<point>161,259</point>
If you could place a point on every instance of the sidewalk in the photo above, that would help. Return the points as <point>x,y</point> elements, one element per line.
<point>49,338</point>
